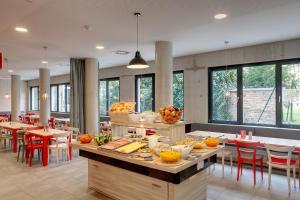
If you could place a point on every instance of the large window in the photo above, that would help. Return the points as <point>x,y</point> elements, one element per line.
<point>109,93</point>
<point>34,98</point>
<point>145,92</point>
<point>60,98</point>
<point>259,94</point>
<point>290,104</point>
<point>178,89</point>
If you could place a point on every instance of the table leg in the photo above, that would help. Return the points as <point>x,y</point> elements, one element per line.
<point>45,151</point>
<point>70,152</point>
<point>15,141</point>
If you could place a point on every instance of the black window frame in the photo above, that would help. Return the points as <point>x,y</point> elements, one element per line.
<point>278,92</point>
<point>152,75</point>
<point>57,99</point>
<point>38,100</point>
<point>107,80</point>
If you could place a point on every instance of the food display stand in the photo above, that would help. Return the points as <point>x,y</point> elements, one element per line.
<point>175,132</point>
<point>124,177</point>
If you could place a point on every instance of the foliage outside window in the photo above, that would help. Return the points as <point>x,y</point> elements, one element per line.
<point>261,94</point>
<point>178,89</point>
<point>291,94</point>
<point>109,93</point>
<point>224,91</point>
<point>145,91</point>
<point>60,98</point>
<point>34,98</point>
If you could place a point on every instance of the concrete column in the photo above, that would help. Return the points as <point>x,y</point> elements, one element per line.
<point>44,95</point>
<point>127,88</point>
<point>163,74</point>
<point>91,96</point>
<point>15,97</point>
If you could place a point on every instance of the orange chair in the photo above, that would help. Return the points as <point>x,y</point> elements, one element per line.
<point>247,154</point>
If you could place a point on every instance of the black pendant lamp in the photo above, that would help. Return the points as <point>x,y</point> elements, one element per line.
<point>137,62</point>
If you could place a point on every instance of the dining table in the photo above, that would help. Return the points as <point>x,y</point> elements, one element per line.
<point>46,135</point>
<point>14,127</point>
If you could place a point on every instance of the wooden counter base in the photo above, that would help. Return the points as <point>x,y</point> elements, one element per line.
<point>122,184</point>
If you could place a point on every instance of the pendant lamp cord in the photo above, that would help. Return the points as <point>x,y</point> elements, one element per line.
<point>137,31</point>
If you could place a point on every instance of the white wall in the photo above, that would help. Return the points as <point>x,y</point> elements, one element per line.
<point>196,73</point>
<point>5,88</point>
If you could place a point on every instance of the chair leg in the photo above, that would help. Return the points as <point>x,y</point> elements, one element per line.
<point>49,154</point>
<point>294,175</point>
<point>57,155</point>
<point>23,153</point>
<point>19,149</point>
<point>269,177</point>
<point>238,171</point>
<point>289,179</point>
<point>254,173</point>
<point>31,156</point>
<point>223,163</point>
<point>231,166</point>
<point>262,169</point>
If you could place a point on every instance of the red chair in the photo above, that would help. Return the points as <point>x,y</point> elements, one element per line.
<point>51,123</point>
<point>247,154</point>
<point>33,143</point>
<point>298,149</point>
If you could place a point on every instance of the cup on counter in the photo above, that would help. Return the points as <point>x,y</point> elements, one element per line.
<point>152,141</point>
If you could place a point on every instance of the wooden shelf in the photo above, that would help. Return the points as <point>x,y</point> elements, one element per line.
<point>157,126</point>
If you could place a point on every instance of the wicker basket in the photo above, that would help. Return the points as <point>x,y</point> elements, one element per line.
<point>119,116</point>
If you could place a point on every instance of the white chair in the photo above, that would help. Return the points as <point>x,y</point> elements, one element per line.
<point>223,154</point>
<point>62,143</point>
<point>281,157</point>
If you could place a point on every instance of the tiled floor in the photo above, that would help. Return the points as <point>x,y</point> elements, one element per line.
<point>68,181</point>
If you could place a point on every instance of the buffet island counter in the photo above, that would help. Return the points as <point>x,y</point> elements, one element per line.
<point>129,177</point>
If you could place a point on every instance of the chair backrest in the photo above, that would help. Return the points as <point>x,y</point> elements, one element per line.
<point>279,152</point>
<point>248,148</point>
<point>65,135</point>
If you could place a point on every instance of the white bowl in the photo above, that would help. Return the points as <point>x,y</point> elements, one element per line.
<point>134,117</point>
<point>150,118</point>
<point>183,149</point>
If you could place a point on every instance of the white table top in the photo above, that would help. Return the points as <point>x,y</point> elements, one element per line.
<point>15,125</point>
<point>47,132</point>
<point>263,140</point>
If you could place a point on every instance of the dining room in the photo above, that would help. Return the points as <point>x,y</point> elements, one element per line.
<point>99,100</point>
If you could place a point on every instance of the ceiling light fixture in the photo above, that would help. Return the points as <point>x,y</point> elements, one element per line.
<point>6,96</point>
<point>121,52</point>
<point>21,29</point>
<point>137,62</point>
<point>220,16</point>
<point>100,47</point>
<point>10,71</point>
<point>44,62</point>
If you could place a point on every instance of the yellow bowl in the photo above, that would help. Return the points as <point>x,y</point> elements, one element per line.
<point>170,156</point>
<point>212,142</point>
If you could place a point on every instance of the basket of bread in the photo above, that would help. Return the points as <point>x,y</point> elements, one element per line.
<point>119,112</point>
<point>170,114</point>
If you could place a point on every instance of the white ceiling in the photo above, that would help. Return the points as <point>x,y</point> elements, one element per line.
<point>189,24</point>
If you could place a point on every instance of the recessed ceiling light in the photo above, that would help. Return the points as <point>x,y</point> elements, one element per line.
<point>10,71</point>
<point>121,52</point>
<point>100,47</point>
<point>220,16</point>
<point>44,62</point>
<point>21,29</point>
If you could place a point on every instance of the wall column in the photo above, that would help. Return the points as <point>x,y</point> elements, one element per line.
<point>163,74</point>
<point>44,95</point>
<point>15,97</point>
<point>91,98</point>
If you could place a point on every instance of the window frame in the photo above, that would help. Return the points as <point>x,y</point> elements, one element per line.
<point>57,99</point>
<point>278,92</point>
<point>38,100</point>
<point>107,80</point>
<point>152,75</point>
